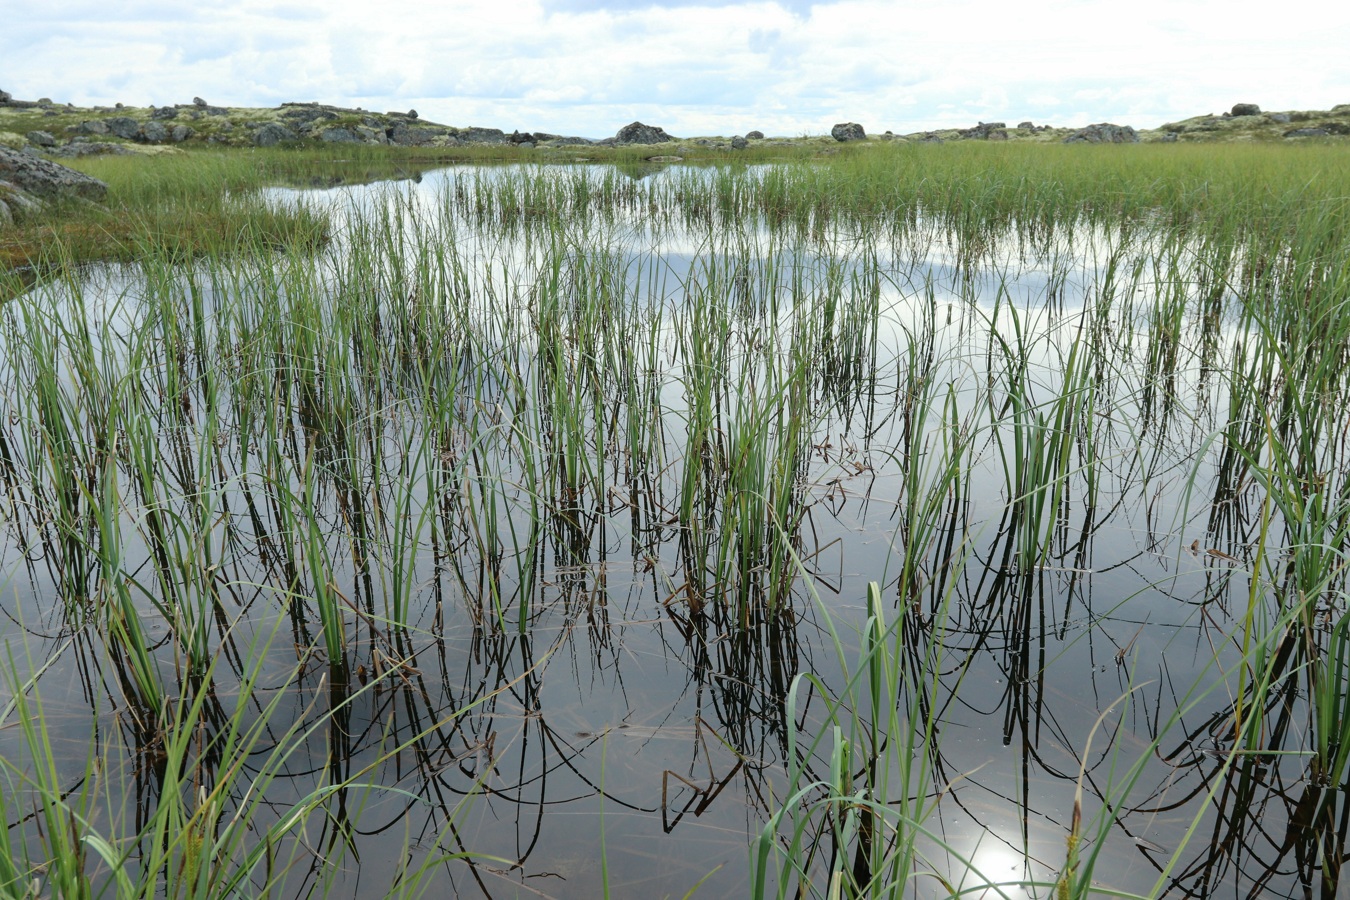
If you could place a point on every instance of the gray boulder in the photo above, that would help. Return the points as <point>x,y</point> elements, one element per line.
<point>1104,133</point>
<point>165,112</point>
<point>475,135</point>
<point>339,136</point>
<point>44,178</point>
<point>1026,126</point>
<point>181,133</point>
<point>848,131</point>
<point>271,134</point>
<point>198,101</point>
<point>1307,132</point>
<point>637,133</point>
<point>986,131</point>
<point>405,135</point>
<point>125,127</point>
<point>754,135</point>
<point>1246,109</point>
<point>739,143</point>
<point>154,132</point>
<point>93,126</point>
<point>1278,118</point>
<point>5,97</point>
<point>41,139</point>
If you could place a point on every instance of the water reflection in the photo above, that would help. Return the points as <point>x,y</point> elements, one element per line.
<point>512,522</point>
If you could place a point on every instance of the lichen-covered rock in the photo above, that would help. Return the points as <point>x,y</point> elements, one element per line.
<point>273,133</point>
<point>1026,126</point>
<point>405,135</point>
<point>41,139</point>
<point>475,135</point>
<point>739,143</point>
<point>5,97</point>
<point>637,133</point>
<point>93,126</point>
<point>181,133</point>
<point>44,178</point>
<point>124,127</point>
<point>848,131</point>
<point>1307,132</point>
<point>1245,109</point>
<point>339,136</point>
<point>754,135</point>
<point>1104,133</point>
<point>153,132</point>
<point>198,101</point>
<point>986,131</point>
<point>165,112</point>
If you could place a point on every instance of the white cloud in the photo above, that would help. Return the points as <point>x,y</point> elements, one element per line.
<point>692,66</point>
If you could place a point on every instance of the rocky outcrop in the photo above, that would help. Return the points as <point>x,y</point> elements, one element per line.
<point>1245,109</point>
<point>1104,133</point>
<point>5,97</point>
<point>476,135</point>
<point>637,133</point>
<point>986,131</point>
<point>26,181</point>
<point>848,131</point>
<point>273,133</point>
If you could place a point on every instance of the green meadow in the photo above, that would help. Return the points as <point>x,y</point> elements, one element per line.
<point>904,521</point>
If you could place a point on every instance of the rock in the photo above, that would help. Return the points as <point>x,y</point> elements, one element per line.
<point>93,126</point>
<point>181,133</point>
<point>848,131</point>
<point>754,135</point>
<point>1026,126</point>
<point>273,133</point>
<point>165,112</point>
<point>5,97</point>
<point>41,139</point>
<point>475,135</point>
<point>1307,132</point>
<point>739,143</point>
<point>44,101</point>
<point>1168,138</point>
<point>124,127</point>
<point>412,113</point>
<point>6,217</point>
<point>154,132</point>
<point>986,131</point>
<point>526,145</point>
<point>198,101</point>
<point>637,133</point>
<point>87,147</point>
<point>215,111</point>
<point>405,135</point>
<point>44,178</point>
<point>521,137</point>
<point>1278,118</point>
<point>372,135</point>
<point>339,136</point>
<point>1246,109</point>
<point>1104,133</point>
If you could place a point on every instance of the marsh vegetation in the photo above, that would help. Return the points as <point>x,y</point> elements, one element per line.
<point>926,521</point>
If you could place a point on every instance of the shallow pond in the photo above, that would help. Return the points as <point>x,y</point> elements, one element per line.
<point>484,554</point>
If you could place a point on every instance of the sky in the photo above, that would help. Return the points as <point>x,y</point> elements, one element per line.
<point>693,67</point>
